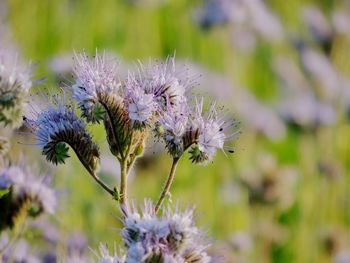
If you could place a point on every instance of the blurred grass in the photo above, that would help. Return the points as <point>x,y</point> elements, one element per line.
<point>44,28</point>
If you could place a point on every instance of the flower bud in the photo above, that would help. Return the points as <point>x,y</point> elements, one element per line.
<point>58,127</point>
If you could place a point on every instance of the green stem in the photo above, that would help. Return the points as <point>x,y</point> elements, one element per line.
<point>94,176</point>
<point>167,184</point>
<point>122,190</point>
<point>101,183</point>
<point>124,173</point>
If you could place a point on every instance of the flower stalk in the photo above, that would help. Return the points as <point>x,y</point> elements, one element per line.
<point>167,184</point>
<point>101,183</point>
<point>123,187</point>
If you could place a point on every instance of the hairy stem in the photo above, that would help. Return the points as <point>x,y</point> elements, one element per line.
<point>94,176</point>
<point>101,183</point>
<point>122,190</point>
<point>167,184</point>
<point>124,171</point>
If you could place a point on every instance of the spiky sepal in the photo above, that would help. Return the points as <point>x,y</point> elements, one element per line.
<point>56,151</point>
<point>197,156</point>
<point>94,114</point>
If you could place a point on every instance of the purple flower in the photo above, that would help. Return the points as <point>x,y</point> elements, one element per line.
<point>205,132</point>
<point>96,81</point>
<point>166,84</point>
<point>211,130</point>
<point>14,85</point>
<point>21,252</point>
<point>174,125</point>
<point>99,96</point>
<point>173,237</point>
<point>57,126</point>
<point>24,185</point>
<point>94,76</point>
<point>140,105</point>
<point>214,12</point>
<point>15,76</point>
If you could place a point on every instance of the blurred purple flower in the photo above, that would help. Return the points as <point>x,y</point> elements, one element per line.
<point>264,21</point>
<point>317,24</point>
<point>25,186</point>
<point>342,256</point>
<point>341,21</point>
<point>214,12</point>
<point>15,81</point>
<point>305,111</point>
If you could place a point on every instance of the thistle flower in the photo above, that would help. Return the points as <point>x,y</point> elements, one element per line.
<point>173,237</point>
<point>24,193</point>
<point>210,133</point>
<point>58,126</point>
<point>14,84</point>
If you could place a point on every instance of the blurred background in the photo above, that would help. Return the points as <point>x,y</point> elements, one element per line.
<point>281,68</point>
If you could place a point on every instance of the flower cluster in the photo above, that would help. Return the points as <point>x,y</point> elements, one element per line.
<point>14,84</point>
<point>157,96</point>
<point>21,192</point>
<point>171,238</point>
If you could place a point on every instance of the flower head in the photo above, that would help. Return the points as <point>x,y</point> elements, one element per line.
<point>94,79</point>
<point>167,85</point>
<point>24,192</point>
<point>14,84</point>
<point>140,105</point>
<point>173,127</point>
<point>173,237</point>
<point>210,133</point>
<point>99,96</point>
<point>58,126</point>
